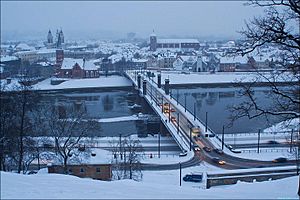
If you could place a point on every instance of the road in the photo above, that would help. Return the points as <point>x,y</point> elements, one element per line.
<point>185,128</point>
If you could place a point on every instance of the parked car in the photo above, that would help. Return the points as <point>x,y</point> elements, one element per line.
<point>219,151</point>
<point>279,160</point>
<point>193,177</point>
<point>207,149</point>
<point>273,142</point>
<point>184,153</point>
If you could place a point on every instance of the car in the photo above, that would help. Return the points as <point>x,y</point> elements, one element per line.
<point>216,159</point>
<point>235,151</point>
<point>32,172</point>
<point>273,142</point>
<point>207,149</point>
<point>184,153</point>
<point>222,162</point>
<point>218,151</point>
<point>279,160</point>
<point>196,147</point>
<point>193,177</point>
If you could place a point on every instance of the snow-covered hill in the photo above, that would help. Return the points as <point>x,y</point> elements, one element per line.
<point>155,185</point>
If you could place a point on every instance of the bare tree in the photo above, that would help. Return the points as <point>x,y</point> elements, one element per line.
<point>17,105</point>
<point>277,28</point>
<point>126,160</point>
<point>69,129</point>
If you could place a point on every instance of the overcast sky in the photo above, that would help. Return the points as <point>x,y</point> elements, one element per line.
<point>194,18</point>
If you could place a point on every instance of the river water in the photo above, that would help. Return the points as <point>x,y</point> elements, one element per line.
<point>110,103</point>
<point>216,101</point>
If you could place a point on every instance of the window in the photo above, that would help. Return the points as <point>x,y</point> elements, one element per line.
<point>81,170</point>
<point>98,169</point>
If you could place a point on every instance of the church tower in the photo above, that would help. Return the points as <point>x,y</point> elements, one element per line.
<point>49,37</point>
<point>153,42</point>
<point>62,38</point>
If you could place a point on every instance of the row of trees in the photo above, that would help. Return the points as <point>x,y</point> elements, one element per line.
<point>33,130</point>
<point>24,120</point>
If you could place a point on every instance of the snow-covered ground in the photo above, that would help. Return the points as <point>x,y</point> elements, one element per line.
<point>102,82</point>
<point>155,184</point>
<point>111,81</point>
<point>219,77</point>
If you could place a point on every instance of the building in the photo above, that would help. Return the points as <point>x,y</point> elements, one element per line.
<point>78,68</point>
<point>94,171</point>
<point>183,44</point>
<point>58,42</point>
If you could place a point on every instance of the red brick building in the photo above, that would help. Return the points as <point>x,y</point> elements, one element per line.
<point>94,171</point>
<point>78,68</point>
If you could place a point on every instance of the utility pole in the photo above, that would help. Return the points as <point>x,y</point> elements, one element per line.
<point>178,123</point>
<point>177,96</point>
<point>169,111</point>
<point>223,137</point>
<point>184,102</point>
<point>205,121</point>
<point>258,138</point>
<point>120,140</point>
<point>194,111</point>
<point>159,141</point>
<point>291,140</point>
<point>190,139</point>
<point>180,173</point>
<point>162,104</point>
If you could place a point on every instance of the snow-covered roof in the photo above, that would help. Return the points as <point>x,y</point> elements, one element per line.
<point>45,51</point>
<point>23,46</point>
<point>177,41</point>
<point>68,63</point>
<point>236,59</point>
<point>188,58</point>
<point>139,60</point>
<point>8,58</point>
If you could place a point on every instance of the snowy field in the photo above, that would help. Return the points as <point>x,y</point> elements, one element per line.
<point>110,81</point>
<point>155,185</point>
<point>218,77</point>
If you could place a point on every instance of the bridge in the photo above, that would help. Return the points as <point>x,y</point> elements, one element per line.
<point>189,132</point>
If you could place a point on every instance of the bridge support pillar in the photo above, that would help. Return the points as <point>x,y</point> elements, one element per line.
<point>144,87</point>
<point>159,80</point>
<point>167,86</point>
<point>139,78</point>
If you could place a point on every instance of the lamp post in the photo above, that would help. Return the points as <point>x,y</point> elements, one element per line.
<point>190,139</point>
<point>159,140</point>
<point>180,173</point>
<point>177,97</point>
<point>185,102</point>
<point>178,123</point>
<point>258,139</point>
<point>205,121</point>
<point>194,111</point>
<point>223,137</point>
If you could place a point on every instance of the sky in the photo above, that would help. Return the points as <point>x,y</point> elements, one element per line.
<point>117,18</point>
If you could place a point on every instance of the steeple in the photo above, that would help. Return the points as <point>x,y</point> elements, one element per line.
<point>49,37</point>
<point>62,36</point>
<point>153,41</point>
